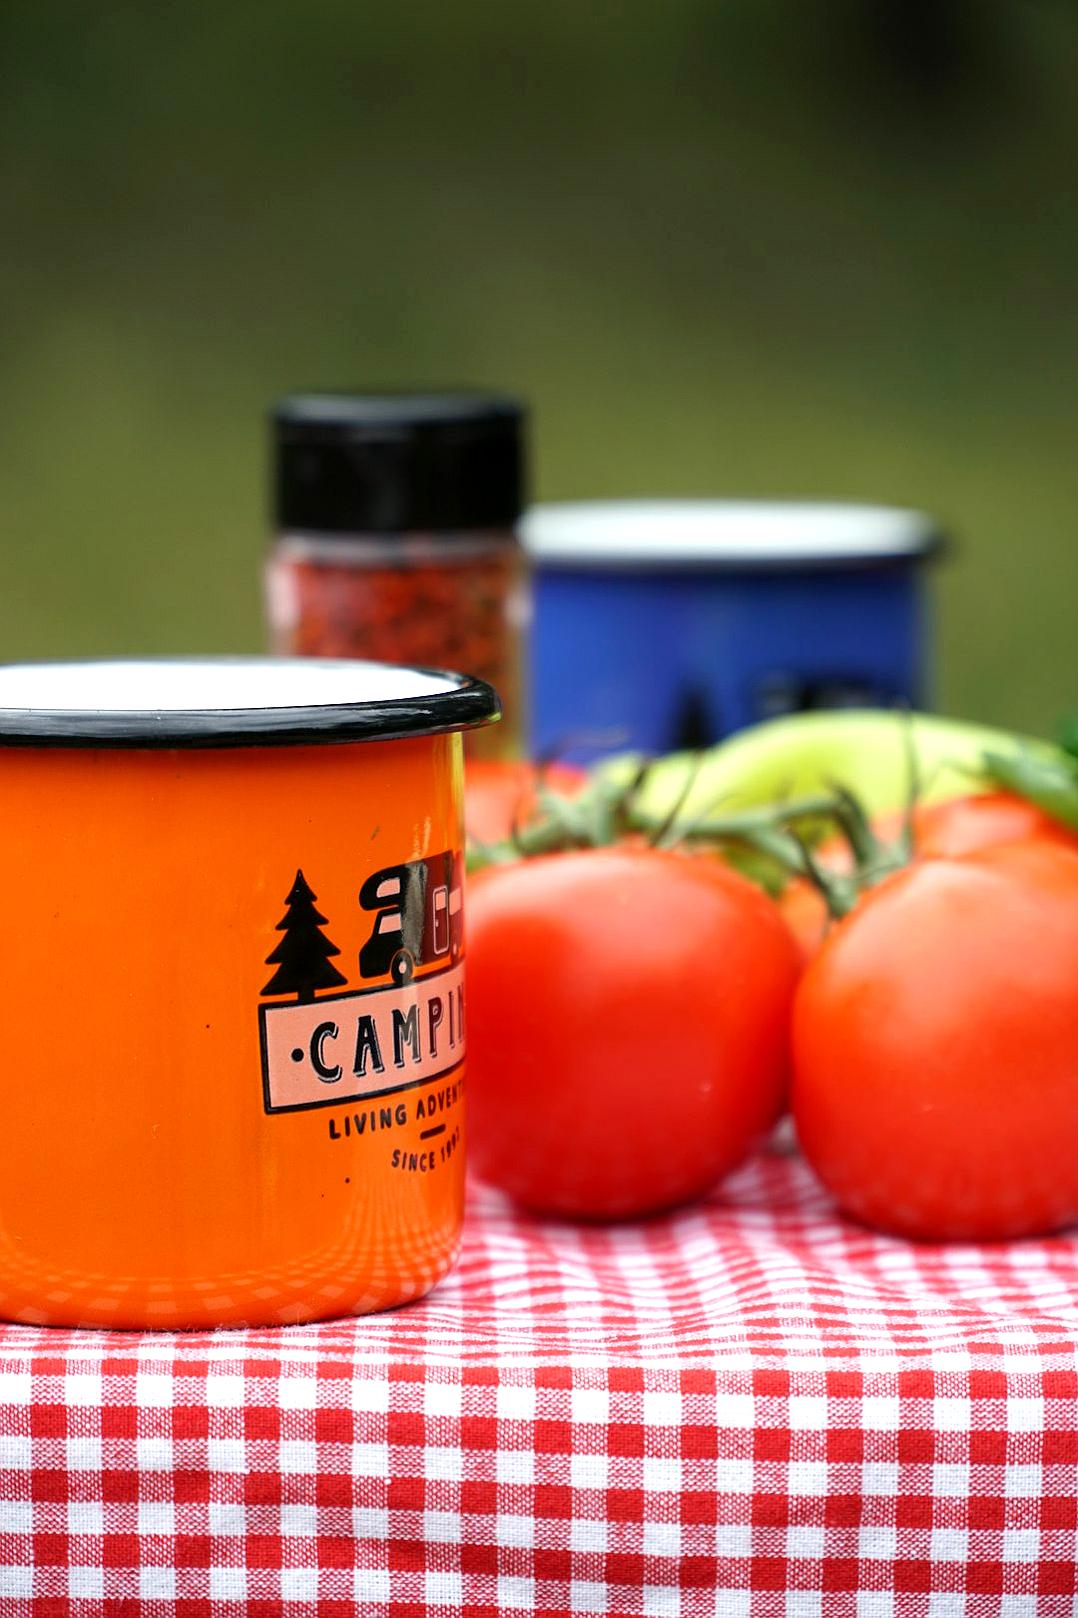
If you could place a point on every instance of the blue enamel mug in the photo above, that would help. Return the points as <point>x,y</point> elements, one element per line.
<point>666,624</point>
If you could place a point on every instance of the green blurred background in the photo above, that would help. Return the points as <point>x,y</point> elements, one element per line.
<point>740,247</point>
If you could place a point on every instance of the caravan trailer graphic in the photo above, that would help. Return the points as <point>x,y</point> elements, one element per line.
<point>419,916</point>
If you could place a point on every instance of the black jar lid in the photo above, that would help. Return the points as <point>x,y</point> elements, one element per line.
<point>198,702</point>
<point>390,463</point>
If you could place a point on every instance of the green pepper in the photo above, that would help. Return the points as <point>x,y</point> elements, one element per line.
<point>882,756</point>
<point>1049,782</point>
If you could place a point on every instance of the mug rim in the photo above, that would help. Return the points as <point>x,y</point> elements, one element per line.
<point>726,535</point>
<point>431,702</point>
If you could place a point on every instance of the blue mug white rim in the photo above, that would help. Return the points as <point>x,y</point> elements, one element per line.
<point>718,535</point>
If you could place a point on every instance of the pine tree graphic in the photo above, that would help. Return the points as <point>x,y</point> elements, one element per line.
<point>302,958</point>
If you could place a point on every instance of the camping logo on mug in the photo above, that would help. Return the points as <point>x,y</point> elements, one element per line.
<point>321,1048</point>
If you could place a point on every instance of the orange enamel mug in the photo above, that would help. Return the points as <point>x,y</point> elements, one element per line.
<point>233,1069</point>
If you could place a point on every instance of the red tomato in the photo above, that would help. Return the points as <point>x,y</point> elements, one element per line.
<point>628,1017</point>
<point>500,792</point>
<point>956,826</point>
<point>804,910</point>
<point>964,825</point>
<point>935,1060</point>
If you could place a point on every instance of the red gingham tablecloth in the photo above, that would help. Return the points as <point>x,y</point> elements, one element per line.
<point>747,1408</point>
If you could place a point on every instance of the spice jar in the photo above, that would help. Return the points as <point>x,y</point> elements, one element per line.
<point>395,536</point>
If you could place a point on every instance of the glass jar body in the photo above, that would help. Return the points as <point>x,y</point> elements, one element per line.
<point>429,600</point>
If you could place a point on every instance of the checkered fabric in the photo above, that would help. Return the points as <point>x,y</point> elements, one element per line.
<point>747,1408</point>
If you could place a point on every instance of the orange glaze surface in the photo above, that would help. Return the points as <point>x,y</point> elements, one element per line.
<point>143,1182</point>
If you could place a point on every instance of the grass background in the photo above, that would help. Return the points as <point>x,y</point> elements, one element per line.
<point>743,247</point>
